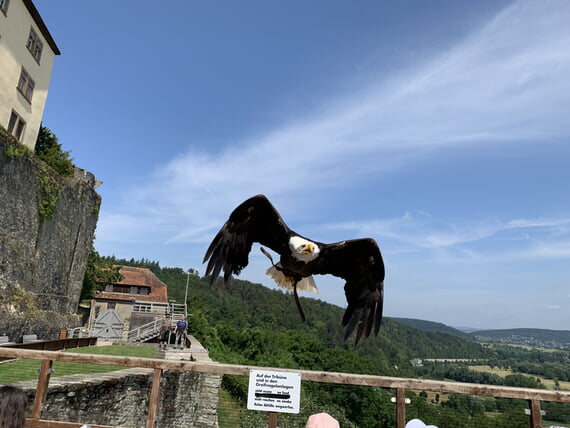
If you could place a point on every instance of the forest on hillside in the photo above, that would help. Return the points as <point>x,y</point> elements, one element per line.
<point>436,327</point>
<point>246,323</point>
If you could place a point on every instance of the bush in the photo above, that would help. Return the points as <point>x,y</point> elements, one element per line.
<point>49,150</point>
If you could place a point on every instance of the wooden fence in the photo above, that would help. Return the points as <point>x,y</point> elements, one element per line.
<point>533,396</point>
<point>52,345</point>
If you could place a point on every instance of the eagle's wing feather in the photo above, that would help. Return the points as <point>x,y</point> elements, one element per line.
<point>254,220</point>
<point>360,263</point>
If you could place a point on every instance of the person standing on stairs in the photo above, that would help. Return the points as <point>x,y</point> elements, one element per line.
<point>180,330</point>
<point>165,332</point>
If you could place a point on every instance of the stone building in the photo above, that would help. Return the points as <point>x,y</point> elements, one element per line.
<point>27,54</point>
<point>138,299</point>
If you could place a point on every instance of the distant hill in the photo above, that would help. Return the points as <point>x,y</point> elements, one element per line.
<point>242,307</point>
<point>466,329</point>
<point>246,323</point>
<point>535,337</point>
<point>542,338</point>
<point>432,327</point>
<point>242,304</point>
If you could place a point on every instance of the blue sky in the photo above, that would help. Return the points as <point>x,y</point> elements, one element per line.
<point>438,128</point>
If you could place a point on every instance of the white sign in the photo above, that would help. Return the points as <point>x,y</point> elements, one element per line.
<point>274,391</point>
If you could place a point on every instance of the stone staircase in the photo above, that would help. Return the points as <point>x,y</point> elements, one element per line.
<point>151,329</point>
<point>193,351</point>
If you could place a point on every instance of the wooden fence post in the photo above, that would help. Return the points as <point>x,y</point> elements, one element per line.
<point>272,420</point>
<point>400,408</point>
<point>535,416</point>
<point>42,388</point>
<point>154,395</point>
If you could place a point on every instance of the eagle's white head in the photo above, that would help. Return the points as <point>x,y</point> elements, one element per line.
<point>303,250</point>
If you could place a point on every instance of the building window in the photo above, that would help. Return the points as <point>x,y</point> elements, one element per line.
<point>16,126</point>
<point>26,85</point>
<point>127,289</point>
<point>4,6</point>
<point>116,288</point>
<point>140,290</point>
<point>142,307</point>
<point>35,45</point>
<point>111,305</point>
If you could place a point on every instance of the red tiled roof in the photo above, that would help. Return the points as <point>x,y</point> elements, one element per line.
<point>134,276</point>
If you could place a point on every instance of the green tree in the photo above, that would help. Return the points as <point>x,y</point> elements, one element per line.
<point>98,273</point>
<point>523,381</point>
<point>49,150</point>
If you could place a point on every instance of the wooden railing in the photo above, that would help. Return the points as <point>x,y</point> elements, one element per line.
<point>53,345</point>
<point>533,396</point>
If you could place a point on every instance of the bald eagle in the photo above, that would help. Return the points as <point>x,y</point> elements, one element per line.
<point>358,261</point>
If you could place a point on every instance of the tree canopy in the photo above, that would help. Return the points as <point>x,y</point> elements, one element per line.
<point>246,323</point>
<point>50,151</point>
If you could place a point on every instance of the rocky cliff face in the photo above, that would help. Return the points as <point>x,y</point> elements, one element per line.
<point>47,224</point>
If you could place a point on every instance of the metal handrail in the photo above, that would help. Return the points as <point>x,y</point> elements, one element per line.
<point>176,310</point>
<point>143,331</point>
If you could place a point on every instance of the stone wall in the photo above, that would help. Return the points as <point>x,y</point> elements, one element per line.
<point>121,398</point>
<point>47,224</point>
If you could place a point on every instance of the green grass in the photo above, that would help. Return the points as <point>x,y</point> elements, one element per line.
<point>228,410</point>
<point>19,370</point>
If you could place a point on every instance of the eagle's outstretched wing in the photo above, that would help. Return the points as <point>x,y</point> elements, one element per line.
<point>254,220</point>
<point>360,263</point>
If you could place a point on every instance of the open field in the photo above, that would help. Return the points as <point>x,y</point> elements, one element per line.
<point>515,345</point>
<point>549,383</point>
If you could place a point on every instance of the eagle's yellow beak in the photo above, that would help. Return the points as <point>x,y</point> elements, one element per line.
<point>308,249</point>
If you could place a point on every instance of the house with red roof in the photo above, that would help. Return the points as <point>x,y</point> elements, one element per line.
<point>136,300</point>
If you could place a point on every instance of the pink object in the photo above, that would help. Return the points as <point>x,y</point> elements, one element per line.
<point>322,420</point>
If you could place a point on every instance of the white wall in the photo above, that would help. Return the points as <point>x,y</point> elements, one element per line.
<point>14,31</point>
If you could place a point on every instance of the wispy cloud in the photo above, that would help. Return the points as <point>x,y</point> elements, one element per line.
<point>506,82</point>
<point>519,239</point>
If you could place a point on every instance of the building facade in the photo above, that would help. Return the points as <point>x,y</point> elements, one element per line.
<point>27,54</point>
<point>139,298</point>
